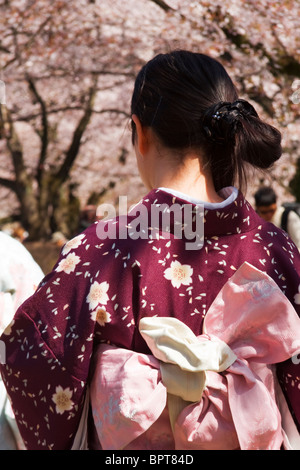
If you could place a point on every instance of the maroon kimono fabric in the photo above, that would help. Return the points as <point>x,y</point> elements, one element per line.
<point>100,288</point>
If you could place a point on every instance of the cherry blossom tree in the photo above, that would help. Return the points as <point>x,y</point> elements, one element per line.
<point>52,83</point>
<point>68,70</point>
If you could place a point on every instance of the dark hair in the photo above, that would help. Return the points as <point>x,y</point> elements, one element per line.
<point>189,101</point>
<point>265,196</point>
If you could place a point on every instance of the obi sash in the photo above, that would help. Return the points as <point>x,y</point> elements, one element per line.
<point>219,387</point>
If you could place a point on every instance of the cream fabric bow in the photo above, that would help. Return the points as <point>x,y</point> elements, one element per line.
<point>184,358</point>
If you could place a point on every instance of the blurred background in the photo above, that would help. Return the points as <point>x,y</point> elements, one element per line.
<point>66,76</point>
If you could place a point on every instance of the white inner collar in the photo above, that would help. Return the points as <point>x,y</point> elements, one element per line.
<point>229,194</point>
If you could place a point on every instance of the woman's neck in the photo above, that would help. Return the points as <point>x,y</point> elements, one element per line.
<point>187,179</point>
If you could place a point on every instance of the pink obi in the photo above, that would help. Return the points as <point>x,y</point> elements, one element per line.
<point>213,391</point>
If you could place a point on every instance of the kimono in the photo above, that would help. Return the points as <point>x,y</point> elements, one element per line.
<point>19,277</point>
<point>115,274</point>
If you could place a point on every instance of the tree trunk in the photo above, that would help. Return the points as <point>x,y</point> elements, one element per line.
<point>47,202</point>
<point>66,211</point>
<point>295,182</point>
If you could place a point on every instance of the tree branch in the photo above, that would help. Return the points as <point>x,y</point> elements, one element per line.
<point>163,5</point>
<point>281,63</point>
<point>12,141</point>
<point>45,129</point>
<point>71,108</point>
<point>73,150</point>
<point>10,184</point>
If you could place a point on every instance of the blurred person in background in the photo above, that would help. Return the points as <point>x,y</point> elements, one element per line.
<point>283,217</point>
<point>19,278</point>
<point>15,230</point>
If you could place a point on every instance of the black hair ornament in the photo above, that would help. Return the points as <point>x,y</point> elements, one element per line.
<point>221,120</point>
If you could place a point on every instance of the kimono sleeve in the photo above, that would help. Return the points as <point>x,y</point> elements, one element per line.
<point>48,347</point>
<point>45,397</point>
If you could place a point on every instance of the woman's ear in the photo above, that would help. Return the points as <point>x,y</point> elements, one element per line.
<point>141,135</point>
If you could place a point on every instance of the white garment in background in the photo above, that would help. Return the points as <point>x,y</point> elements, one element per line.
<point>19,278</point>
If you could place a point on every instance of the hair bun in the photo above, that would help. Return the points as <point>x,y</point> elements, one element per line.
<point>220,120</point>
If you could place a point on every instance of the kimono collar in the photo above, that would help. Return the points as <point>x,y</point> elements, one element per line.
<point>229,194</point>
<point>238,216</point>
